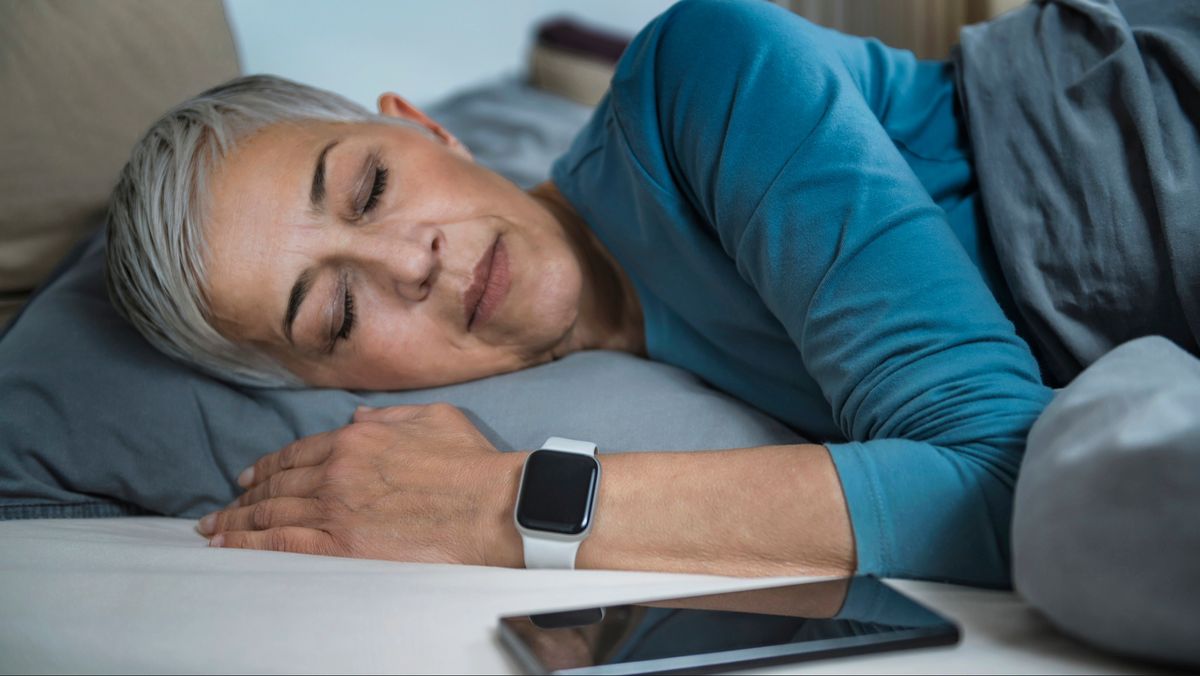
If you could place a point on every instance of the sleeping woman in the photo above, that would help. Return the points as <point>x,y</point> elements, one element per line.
<point>792,214</point>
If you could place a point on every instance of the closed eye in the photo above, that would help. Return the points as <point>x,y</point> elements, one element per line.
<point>347,316</point>
<point>378,185</point>
<point>340,332</point>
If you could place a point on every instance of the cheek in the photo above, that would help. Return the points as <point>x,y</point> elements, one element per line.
<point>553,287</point>
<point>416,351</point>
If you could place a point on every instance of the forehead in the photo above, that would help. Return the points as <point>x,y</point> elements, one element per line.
<point>257,197</point>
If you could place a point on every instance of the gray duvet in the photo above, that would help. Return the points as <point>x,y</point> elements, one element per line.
<point>1083,117</point>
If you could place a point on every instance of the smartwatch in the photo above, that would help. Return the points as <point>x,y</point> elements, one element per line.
<point>556,501</point>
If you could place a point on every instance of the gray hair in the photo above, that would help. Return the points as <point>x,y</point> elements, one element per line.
<point>156,248</point>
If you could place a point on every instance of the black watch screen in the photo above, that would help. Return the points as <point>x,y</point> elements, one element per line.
<point>557,490</point>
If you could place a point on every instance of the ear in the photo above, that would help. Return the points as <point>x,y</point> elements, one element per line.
<point>394,105</point>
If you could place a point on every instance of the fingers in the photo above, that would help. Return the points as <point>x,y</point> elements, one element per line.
<point>283,539</point>
<point>390,413</point>
<point>406,413</point>
<point>306,452</point>
<point>296,483</point>
<point>273,513</point>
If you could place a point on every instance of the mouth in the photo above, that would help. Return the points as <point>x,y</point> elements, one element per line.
<point>489,285</point>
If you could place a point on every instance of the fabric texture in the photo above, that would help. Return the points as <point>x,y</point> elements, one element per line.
<point>513,128</point>
<point>82,80</point>
<point>98,423</point>
<point>1105,541</point>
<point>795,209</point>
<point>1083,117</point>
<point>148,596</point>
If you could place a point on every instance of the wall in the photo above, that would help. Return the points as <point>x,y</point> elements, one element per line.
<point>927,27</point>
<point>421,49</point>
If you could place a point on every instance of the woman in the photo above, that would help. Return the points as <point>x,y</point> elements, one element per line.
<point>788,212</point>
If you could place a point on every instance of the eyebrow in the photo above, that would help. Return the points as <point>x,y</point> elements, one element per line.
<point>299,291</point>
<point>316,195</point>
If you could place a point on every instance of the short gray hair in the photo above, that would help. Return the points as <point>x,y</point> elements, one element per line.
<point>156,248</point>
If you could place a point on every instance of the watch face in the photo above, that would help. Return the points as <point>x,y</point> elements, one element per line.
<point>557,491</point>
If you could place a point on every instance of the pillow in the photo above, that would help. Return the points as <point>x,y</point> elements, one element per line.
<point>513,128</point>
<point>574,60</point>
<point>1105,541</point>
<point>82,80</point>
<point>98,423</point>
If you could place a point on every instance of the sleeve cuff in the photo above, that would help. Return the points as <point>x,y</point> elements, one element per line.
<point>868,517</point>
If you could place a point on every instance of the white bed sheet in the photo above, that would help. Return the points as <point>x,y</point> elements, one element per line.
<point>145,595</point>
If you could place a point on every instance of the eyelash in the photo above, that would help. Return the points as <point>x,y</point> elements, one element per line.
<point>348,317</point>
<point>378,185</point>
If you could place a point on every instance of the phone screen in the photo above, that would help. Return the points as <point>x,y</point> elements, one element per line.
<point>761,626</point>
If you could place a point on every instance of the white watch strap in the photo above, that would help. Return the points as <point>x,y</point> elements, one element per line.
<point>570,446</point>
<point>541,553</point>
<point>544,552</point>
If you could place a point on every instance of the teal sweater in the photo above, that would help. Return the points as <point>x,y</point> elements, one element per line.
<point>798,213</point>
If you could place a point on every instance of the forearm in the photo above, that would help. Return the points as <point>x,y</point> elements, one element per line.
<point>769,510</point>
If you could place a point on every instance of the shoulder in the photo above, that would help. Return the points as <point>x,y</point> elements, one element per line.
<point>712,33</point>
<point>699,53</point>
<point>713,25</point>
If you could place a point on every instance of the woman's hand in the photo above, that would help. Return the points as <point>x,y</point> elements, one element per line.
<point>410,483</point>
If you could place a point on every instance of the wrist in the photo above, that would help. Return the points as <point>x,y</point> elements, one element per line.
<point>502,542</point>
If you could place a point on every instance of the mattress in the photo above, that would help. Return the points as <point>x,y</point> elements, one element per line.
<point>146,595</point>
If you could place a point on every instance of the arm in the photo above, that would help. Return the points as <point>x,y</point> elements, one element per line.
<point>776,148</point>
<point>771,510</point>
<point>420,483</point>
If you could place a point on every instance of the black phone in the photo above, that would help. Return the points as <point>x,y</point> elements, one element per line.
<point>772,625</point>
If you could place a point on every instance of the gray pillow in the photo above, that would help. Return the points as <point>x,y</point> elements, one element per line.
<point>1105,540</point>
<point>97,423</point>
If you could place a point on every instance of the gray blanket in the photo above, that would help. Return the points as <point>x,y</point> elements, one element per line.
<point>1083,118</point>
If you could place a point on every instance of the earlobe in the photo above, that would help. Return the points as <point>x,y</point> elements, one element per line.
<point>393,105</point>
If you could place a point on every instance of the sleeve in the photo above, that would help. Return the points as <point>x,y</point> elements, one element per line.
<point>768,134</point>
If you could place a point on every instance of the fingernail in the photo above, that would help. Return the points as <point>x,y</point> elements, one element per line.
<point>246,477</point>
<point>217,541</point>
<point>207,523</point>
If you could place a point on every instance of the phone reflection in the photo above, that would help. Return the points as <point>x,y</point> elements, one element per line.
<point>809,612</point>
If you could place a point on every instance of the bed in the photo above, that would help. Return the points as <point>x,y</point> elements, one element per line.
<point>145,595</point>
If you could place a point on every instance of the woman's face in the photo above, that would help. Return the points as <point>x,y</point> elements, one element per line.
<point>373,256</point>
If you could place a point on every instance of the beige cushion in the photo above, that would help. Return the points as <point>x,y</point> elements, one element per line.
<point>576,76</point>
<point>81,81</point>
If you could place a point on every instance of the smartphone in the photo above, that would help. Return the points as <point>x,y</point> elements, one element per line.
<point>772,625</point>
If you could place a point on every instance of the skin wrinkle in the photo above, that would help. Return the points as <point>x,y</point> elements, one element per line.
<point>565,294</point>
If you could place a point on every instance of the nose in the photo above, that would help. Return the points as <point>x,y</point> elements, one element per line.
<point>407,262</point>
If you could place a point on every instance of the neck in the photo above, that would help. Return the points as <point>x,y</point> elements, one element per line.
<point>610,316</point>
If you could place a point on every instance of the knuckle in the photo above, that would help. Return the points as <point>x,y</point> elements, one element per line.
<point>261,515</point>
<point>444,409</point>
<point>342,543</point>
<point>278,540</point>
<point>328,506</point>
<point>353,435</point>
<point>338,468</point>
<point>287,456</point>
<point>252,496</point>
<point>274,485</point>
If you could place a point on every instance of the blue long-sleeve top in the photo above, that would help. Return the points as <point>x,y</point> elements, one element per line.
<point>758,179</point>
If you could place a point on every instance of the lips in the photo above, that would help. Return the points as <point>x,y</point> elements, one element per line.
<point>488,286</point>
